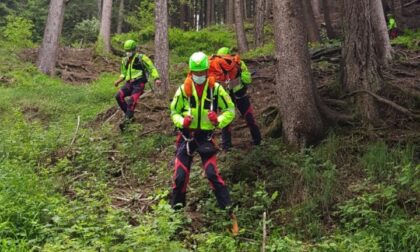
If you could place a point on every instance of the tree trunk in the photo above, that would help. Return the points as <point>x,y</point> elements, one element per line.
<point>302,122</point>
<point>48,52</point>
<point>210,12</point>
<point>161,43</point>
<point>259,23</point>
<point>361,69</point>
<point>120,16</point>
<point>268,8</point>
<point>239,25</point>
<point>397,8</point>
<point>105,30</point>
<point>310,23</point>
<point>326,8</point>
<point>380,30</point>
<point>229,15</point>
<point>316,8</point>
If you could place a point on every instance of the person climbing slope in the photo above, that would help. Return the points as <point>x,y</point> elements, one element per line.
<point>233,72</point>
<point>135,68</point>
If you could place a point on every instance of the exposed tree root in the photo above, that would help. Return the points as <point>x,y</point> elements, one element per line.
<point>386,101</point>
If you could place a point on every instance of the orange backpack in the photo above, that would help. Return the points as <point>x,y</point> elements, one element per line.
<point>225,68</point>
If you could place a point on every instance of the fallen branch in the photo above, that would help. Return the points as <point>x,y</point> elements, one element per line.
<point>112,116</point>
<point>148,132</point>
<point>75,133</point>
<point>386,101</point>
<point>410,3</point>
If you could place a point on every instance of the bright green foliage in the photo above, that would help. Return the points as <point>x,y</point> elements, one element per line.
<point>410,39</point>
<point>18,32</point>
<point>86,31</point>
<point>209,40</point>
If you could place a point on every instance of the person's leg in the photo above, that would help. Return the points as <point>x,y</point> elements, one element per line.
<point>244,106</point>
<point>136,92</point>
<point>216,181</point>
<point>181,175</point>
<point>120,96</point>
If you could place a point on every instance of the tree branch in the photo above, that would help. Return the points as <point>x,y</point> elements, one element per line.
<point>386,101</point>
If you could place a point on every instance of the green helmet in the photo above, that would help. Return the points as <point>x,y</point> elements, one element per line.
<point>198,62</point>
<point>130,45</point>
<point>223,51</point>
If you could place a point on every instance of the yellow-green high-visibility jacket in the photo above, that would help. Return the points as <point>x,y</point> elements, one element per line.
<point>136,69</point>
<point>392,24</point>
<point>245,77</point>
<point>180,107</point>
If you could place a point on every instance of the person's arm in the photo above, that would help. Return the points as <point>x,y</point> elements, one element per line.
<point>150,67</point>
<point>227,107</point>
<point>123,71</point>
<point>176,109</point>
<point>245,74</point>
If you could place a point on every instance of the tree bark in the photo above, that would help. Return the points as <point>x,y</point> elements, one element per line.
<point>259,23</point>
<point>210,12</point>
<point>302,122</point>
<point>361,69</point>
<point>239,25</point>
<point>120,16</point>
<point>47,56</point>
<point>229,15</point>
<point>162,43</point>
<point>268,8</point>
<point>380,30</point>
<point>310,23</point>
<point>326,8</point>
<point>99,2</point>
<point>316,8</point>
<point>105,30</point>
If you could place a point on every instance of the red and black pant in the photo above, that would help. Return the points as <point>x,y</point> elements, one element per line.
<point>203,144</point>
<point>243,104</point>
<point>132,89</point>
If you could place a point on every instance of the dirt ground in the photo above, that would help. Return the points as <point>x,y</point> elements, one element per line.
<point>77,66</point>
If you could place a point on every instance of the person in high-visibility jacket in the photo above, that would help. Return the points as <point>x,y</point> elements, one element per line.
<point>135,68</point>
<point>194,112</point>
<point>238,93</point>
<point>392,26</point>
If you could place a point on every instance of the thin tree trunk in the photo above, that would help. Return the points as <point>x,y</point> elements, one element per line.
<point>310,23</point>
<point>326,8</point>
<point>259,23</point>
<point>161,43</point>
<point>381,32</point>
<point>210,12</point>
<point>301,120</point>
<point>99,2</point>
<point>361,69</point>
<point>120,16</point>
<point>48,52</point>
<point>239,25</point>
<point>105,30</point>
<point>230,11</point>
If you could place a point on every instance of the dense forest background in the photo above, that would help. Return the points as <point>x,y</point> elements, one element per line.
<point>337,100</point>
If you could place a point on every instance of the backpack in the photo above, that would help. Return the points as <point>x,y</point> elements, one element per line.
<point>225,68</point>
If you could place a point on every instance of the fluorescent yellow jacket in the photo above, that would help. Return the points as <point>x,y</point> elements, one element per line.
<point>137,68</point>
<point>245,77</point>
<point>182,106</point>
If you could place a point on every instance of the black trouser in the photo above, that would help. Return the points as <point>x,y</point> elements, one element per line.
<point>243,104</point>
<point>203,144</point>
<point>134,90</point>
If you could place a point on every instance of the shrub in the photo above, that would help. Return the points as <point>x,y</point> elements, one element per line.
<point>18,32</point>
